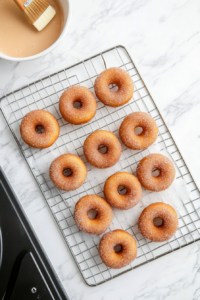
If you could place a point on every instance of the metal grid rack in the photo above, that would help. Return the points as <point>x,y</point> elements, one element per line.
<point>45,94</point>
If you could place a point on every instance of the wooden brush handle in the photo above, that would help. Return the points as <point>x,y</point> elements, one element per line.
<point>20,4</point>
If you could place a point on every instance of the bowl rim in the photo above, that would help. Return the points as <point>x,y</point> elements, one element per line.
<point>49,49</point>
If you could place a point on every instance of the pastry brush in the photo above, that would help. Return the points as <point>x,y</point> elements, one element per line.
<point>38,12</point>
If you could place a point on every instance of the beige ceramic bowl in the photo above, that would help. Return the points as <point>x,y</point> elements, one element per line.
<point>66,8</point>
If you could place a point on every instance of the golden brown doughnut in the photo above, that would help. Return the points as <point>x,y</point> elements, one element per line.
<point>132,196</point>
<point>144,139</point>
<point>109,256</point>
<point>97,139</point>
<point>77,115</point>
<point>156,162</point>
<point>64,162</point>
<point>114,76</point>
<point>103,218</point>
<point>37,118</point>
<point>160,233</point>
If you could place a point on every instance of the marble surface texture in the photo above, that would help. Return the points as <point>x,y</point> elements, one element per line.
<point>163,38</point>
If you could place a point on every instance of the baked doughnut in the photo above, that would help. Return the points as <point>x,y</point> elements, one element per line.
<point>103,218</point>
<point>73,163</point>
<point>93,143</point>
<point>109,256</point>
<point>114,76</point>
<point>142,141</point>
<point>151,163</point>
<point>32,121</point>
<point>169,224</point>
<point>128,181</point>
<point>77,115</point>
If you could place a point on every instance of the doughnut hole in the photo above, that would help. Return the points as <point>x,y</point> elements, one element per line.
<point>77,104</point>
<point>118,248</point>
<point>92,214</point>
<point>39,129</point>
<point>158,222</point>
<point>122,190</point>
<point>156,172</point>
<point>67,172</point>
<point>103,149</point>
<point>113,87</point>
<point>138,130</point>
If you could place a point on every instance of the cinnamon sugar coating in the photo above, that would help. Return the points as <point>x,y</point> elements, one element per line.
<point>78,115</point>
<point>39,118</point>
<point>114,76</point>
<point>105,138</point>
<point>75,164</point>
<point>128,181</point>
<point>104,214</point>
<point>156,162</point>
<point>107,252</point>
<point>143,140</point>
<point>158,233</point>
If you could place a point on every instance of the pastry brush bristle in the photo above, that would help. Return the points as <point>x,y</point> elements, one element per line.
<point>36,9</point>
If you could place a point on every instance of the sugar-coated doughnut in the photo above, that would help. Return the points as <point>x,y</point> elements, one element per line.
<point>151,163</point>
<point>102,220</point>
<point>142,141</point>
<point>114,76</point>
<point>77,115</point>
<point>30,123</point>
<point>166,230</point>
<point>102,138</point>
<point>77,167</point>
<point>109,256</point>
<point>128,181</point>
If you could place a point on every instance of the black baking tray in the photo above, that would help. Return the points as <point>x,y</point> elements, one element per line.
<point>25,270</point>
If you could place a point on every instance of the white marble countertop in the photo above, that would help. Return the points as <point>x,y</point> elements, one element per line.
<point>163,38</point>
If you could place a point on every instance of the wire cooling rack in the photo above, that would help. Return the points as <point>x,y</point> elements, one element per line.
<point>45,94</point>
